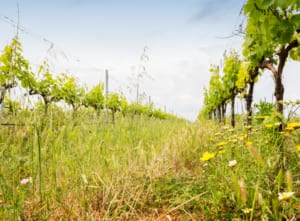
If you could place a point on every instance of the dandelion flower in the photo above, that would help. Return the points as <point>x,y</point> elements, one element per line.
<point>298,148</point>
<point>295,124</point>
<point>285,195</point>
<point>26,180</point>
<point>247,210</point>
<point>232,163</point>
<point>207,156</point>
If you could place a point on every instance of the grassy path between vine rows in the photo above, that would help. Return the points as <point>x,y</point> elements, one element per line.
<point>66,168</point>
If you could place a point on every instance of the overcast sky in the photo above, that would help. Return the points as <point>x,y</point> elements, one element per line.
<point>182,38</point>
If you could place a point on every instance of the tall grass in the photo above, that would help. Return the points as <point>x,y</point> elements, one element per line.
<point>143,169</point>
<point>75,162</point>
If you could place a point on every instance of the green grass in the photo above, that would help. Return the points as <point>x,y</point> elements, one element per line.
<point>143,169</point>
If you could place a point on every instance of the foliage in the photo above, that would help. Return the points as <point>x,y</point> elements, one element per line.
<point>269,27</point>
<point>13,66</point>
<point>15,71</point>
<point>231,71</point>
<point>113,103</point>
<point>45,85</point>
<point>135,108</point>
<point>95,98</point>
<point>271,35</point>
<point>123,105</point>
<point>71,92</point>
<point>12,106</point>
<point>214,96</point>
<point>243,76</point>
<point>223,88</point>
<point>264,108</point>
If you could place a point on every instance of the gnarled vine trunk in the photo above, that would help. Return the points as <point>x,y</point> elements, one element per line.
<point>2,94</point>
<point>223,113</point>
<point>232,110</point>
<point>249,99</point>
<point>219,114</point>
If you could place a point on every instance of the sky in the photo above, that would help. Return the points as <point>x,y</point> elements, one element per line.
<point>180,38</point>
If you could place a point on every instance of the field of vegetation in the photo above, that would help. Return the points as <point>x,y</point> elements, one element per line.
<point>69,152</point>
<point>79,168</point>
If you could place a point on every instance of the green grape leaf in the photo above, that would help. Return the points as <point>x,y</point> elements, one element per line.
<point>266,3</point>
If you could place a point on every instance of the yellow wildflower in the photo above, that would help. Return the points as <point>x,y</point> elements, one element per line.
<point>295,124</point>
<point>298,148</point>
<point>207,156</point>
<point>285,195</point>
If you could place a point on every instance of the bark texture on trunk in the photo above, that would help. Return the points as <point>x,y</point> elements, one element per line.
<point>2,94</point>
<point>277,73</point>
<point>219,114</point>
<point>249,99</point>
<point>232,110</point>
<point>223,107</point>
